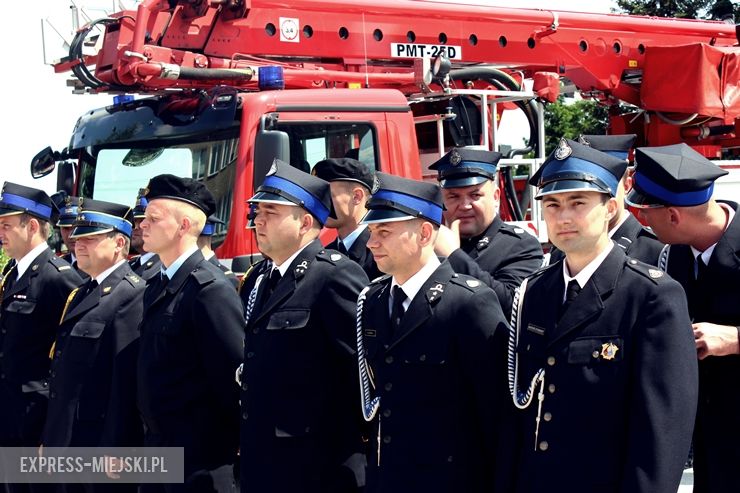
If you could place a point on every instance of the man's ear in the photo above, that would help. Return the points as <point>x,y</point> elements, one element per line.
<point>674,216</point>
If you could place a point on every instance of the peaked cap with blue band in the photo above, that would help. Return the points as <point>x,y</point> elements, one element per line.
<point>674,175</point>
<point>573,166</point>
<point>139,209</point>
<point>400,199</point>
<point>96,217</point>
<point>19,199</point>
<point>463,167</point>
<point>615,145</point>
<point>210,226</point>
<point>68,211</point>
<point>186,190</point>
<point>287,185</point>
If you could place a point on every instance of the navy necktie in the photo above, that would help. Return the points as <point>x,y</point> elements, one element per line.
<point>397,310</point>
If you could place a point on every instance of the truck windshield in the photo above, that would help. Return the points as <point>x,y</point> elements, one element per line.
<point>118,173</point>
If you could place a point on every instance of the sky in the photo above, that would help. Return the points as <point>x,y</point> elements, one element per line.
<point>40,110</point>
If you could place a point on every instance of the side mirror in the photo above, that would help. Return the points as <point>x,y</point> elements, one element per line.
<point>43,163</point>
<point>269,145</point>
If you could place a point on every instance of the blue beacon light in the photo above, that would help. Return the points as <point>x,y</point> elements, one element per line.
<point>271,77</point>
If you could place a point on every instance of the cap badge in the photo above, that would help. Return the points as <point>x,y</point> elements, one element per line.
<point>455,157</point>
<point>563,151</point>
<point>68,201</point>
<point>376,184</point>
<point>609,350</point>
<point>272,170</point>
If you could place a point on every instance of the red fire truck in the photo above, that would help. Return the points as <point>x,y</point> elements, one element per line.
<point>233,84</point>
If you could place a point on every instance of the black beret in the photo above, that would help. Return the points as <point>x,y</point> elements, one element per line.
<point>672,175</point>
<point>397,199</point>
<point>345,169</point>
<point>19,199</point>
<point>185,190</point>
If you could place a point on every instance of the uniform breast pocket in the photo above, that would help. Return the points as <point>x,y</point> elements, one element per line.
<point>598,359</point>
<point>84,341</point>
<point>289,320</point>
<point>168,325</point>
<point>22,307</point>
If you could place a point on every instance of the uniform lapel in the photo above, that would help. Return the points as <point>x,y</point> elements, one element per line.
<point>474,249</point>
<point>359,247</point>
<point>93,298</point>
<point>289,281</point>
<point>420,308</point>
<point>182,274</point>
<point>626,234</point>
<point>589,302</point>
<point>24,281</point>
<point>725,256</point>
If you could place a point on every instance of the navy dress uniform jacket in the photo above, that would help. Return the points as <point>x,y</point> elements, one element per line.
<point>620,385</point>
<point>190,346</point>
<point>441,382</point>
<point>92,386</point>
<point>360,253</point>
<point>636,241</point>
<point>149,269</point>
<point>227,272</point>
<point>31,309</point>
<point>301,428</point>
<point>501,257</point>
<point>715,298</point>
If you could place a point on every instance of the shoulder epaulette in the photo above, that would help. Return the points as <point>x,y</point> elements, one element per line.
<point>134,280</point>
<point>512,230</point>
<point>542,270</point>
<point>203,276</point>
<point>330,256</point>
<point>59,263</point>
<point>647,270</point>
<point>468,282</point>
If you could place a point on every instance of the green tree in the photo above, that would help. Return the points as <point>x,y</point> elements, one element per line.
<point>687,9</point>
<point>569,120</point>
<point>3,259</point>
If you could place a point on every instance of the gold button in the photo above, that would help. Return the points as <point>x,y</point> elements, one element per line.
<point>544,445</point>
<point>551,360</point>
<point>548,416</point>
<point>551,388</point>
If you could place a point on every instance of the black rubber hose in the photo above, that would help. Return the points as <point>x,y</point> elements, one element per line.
<point>192,73</point>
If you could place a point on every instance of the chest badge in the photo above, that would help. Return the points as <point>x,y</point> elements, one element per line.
<point>609,351</point>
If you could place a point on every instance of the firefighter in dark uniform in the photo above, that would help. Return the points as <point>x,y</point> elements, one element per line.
<point>190,342</point>
<point>92,392</point>
<point>350,181</point>
<point>435,342</point>
<point>146,264</point>
<point>67,207</point>
<point>204,243</point>
<point>474,238</point>
<point>673,189</point>
<point>35,286</point>
<point>626,231</point>
<point>301,430</point>
<point>601,358</point>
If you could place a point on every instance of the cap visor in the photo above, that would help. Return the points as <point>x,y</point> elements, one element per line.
<point>270,198</point>
<point>81,231</point>
<point>385,216</point>
<point>563,186</point>
<point>9,212</point>
<point>66,222</point>
<point>463,181</point>
<point>639,200</point>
